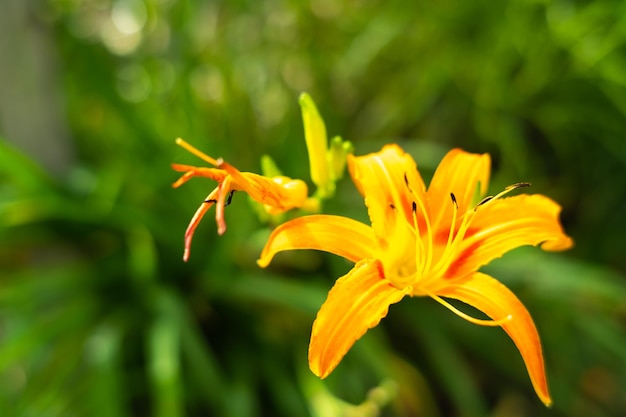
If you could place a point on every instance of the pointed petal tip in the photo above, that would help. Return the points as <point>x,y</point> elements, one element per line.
<point>318,367</point>
<point>303,98</point>
<point>556,245</point>
<point>547,401</point>
<point>541,390</point>
<point>495,300</point>
<point>357,302</point>
<point>321,375</point>
<point>314,366</point>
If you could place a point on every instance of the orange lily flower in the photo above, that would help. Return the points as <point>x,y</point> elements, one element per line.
<point>423,242</point>
<point>277,194</point>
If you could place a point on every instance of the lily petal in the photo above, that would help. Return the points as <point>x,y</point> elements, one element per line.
<point>342,236</point>
<point>497,301</point>
<point>390,183</point>
<point>260,188</point>
<point>460,173</point>
<point>507,223</point>
<point>357,302</point>
<point>191,171</point>
<point>195,221</point>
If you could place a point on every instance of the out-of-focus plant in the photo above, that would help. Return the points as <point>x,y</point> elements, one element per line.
<point>272,193</point>
<point>99,316</point>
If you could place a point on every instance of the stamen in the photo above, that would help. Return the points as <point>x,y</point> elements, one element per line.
<point>453,240</point>
<point>469,318</point>
<point>229,199</point>
<point>505,191</point>
<point>183,144</point>
<point>467,218</point>
<point>484,201</point>
<point>455,210</point>
<point>518,185</point>
<point>419,247</point>
<point>429,232</point>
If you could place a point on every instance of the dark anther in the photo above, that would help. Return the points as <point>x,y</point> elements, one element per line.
<point>414,206</point>
<point>229,199</point>
<point>518,185</point>
<point>484,200</point>
<point>454,200</point>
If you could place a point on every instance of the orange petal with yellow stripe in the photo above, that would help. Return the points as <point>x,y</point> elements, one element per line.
<point>498,302</point>
<point>508,223</point>
<point>339,235</point>
<point>357,302</point>
<point>462,174</point>
<point>390,183</point>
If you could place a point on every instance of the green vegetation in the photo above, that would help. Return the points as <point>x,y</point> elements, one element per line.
<point>99,315</point>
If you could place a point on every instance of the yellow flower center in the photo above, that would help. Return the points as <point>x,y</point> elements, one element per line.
<point>415,258</point>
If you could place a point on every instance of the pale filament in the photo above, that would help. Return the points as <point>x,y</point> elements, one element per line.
<point>419,247</point>
<point>426,258</point>
<point>454,241</point>
<point>429,233</point>
<point>183,144</point>
<point>469,318</point>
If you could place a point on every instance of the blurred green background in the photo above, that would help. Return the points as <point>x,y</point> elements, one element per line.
<point>100,317</point>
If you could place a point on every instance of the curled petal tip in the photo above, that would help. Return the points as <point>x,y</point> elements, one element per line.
<point>563,243</point>
<point>265,258</point>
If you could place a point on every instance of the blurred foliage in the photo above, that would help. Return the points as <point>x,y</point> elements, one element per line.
<point>99,316</point>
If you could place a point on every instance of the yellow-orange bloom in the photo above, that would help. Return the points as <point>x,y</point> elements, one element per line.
<point>277,194</point>
<point>423,242</point>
